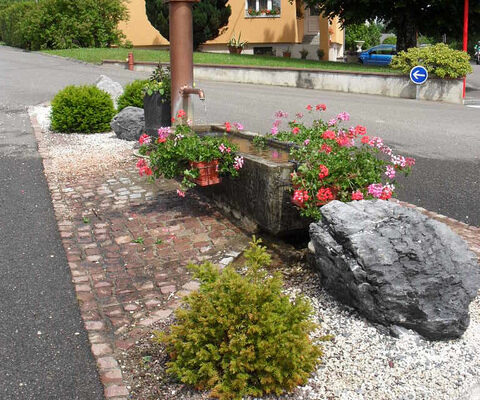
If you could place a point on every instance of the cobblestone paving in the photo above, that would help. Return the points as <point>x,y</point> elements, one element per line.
<point>127,243</point>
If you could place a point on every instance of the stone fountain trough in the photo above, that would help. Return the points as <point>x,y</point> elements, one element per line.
<point>261,194</point>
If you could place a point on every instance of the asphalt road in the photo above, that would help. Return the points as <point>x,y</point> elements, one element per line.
<point>472,93</point>
<point>44,349</point>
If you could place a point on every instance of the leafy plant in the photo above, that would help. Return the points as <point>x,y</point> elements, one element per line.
<point>15,21</point>
<point>260,142</point>
<point>265,11</point>
<point>332,166</point>
<point>240,335</point>
<point>81,109</point>
<point>320,54</point>
<point>170,155</point>
<point>439,60</point>
<point>390,40</point>
<point>139,240</point>
<point>303,53</point>
<point>368,33</point>
<point>237,42</point>
<point>160,82</point>
<point>132,95</point>
<point>61,24</point>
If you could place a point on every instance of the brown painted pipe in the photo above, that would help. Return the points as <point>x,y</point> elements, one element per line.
<point>181,53</point>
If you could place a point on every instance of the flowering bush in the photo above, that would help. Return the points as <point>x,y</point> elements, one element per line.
<point>171,153</point>
<point>264,11</point>
<point>337,162</point>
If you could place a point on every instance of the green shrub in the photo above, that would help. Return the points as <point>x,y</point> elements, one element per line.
<point>61,24</point>
<point>390,40</point>
<point>370,34</point>
<point>240,335</point>
<point>15,23</point>
<point>132,95</point>
<point>82,109</point>
<point>439,60</point>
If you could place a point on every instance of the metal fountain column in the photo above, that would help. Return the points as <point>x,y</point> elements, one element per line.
<point>181,56</point>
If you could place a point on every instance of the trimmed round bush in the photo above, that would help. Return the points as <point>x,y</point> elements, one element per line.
<point>82,109</point>
<point>439,60</point>
<point>132,95</point>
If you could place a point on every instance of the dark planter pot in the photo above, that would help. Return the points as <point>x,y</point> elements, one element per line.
<point>157,114</point>
<point>235,50</point>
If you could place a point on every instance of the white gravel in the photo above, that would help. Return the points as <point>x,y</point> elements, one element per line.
<point>77,154</point>
<point>365,362</point>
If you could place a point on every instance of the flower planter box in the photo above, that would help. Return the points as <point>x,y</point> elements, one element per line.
<point>207,173</point>
<point>262,192</point>
<point>157,113</point>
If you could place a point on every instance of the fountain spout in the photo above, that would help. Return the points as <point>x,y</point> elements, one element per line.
<point>186,90</point>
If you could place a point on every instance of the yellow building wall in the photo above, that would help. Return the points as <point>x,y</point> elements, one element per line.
<point>337,32</point>
<point>138,28</point>
<point>285,28</point>
<point>278,29</point>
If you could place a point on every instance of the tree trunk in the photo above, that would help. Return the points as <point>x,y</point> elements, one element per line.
<point>406,31</point>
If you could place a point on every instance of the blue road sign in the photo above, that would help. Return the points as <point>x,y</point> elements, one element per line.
<point>418,75</point>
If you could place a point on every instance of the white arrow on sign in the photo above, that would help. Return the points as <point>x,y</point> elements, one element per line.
<point>418,74</point>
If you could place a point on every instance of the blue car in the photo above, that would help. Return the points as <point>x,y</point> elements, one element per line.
<point>378,55</point>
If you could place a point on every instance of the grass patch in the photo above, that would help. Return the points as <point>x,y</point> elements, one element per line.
<point>97,55</point>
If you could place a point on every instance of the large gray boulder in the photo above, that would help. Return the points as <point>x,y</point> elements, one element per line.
<point>129,124</point>
<point>114,89</point>
<point>396,266</point>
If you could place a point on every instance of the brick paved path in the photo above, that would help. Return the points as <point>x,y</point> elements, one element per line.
<point>123,287</point>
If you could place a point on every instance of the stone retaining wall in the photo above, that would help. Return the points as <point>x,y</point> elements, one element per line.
<point>391,85</point>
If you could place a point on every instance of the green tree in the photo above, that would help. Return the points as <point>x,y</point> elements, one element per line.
<point>370,34</point>
<point>407,18</point>
<point>60,24</point>
<point>209,18</point>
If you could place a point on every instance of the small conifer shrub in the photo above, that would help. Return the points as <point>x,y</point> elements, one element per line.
<point>239,334</point>
<point>81,109</point>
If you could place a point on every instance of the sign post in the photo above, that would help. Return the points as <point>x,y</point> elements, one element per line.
<point>418,75</point>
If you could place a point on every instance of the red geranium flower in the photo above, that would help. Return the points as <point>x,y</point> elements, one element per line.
<point>360,130</point>
<point>323,171</point>
<point>328,135</point>
<point>358,195</point>
<point>324,195</point>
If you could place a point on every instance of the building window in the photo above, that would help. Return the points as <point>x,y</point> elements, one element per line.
<point>262,8</point>
<point>263,51</point>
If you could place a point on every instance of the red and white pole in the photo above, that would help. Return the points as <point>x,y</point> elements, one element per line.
<point>465,38</point>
